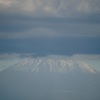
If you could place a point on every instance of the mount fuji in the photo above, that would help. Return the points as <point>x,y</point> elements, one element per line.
<point>50,78</point>
<point>52,64</point>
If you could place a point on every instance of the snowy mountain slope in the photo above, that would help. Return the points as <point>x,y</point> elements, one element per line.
<point>52,64</point>
<point>49,78</point>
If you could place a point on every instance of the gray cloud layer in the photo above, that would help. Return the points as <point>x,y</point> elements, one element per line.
<point>47,28</point>
<point>32,55</point>
<point>26,18</point>
<point>58,8</point>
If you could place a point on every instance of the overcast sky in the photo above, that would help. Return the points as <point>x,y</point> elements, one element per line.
<point>50,18</point>
<point>42,19</point>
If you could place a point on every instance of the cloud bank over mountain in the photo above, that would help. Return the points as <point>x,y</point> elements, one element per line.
<point>33,55</point>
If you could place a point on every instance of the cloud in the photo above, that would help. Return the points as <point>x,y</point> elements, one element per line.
<point>17,5</point>
<point>86,56</point>
<point>49,28</point>
<point>9,56</point>
<point>35,32</point>
<point>57,8</point>
<point>32,55</point>
<point>49,18</point>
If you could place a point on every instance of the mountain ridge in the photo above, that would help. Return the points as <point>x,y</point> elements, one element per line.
<point>52,64</point>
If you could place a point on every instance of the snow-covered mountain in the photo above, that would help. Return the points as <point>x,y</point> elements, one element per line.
<point>52,64</point>
<point>49,78</point>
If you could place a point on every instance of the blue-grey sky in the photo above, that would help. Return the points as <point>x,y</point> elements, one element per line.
<point>53,26</point>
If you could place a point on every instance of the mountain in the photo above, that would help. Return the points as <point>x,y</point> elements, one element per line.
<point>53,64</point>
<point>50,78</point>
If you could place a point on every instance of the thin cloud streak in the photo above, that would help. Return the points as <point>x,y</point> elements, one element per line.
<point>33,55</point>
<point>48,29</point>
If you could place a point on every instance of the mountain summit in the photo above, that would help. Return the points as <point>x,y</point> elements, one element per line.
<point>53,64</point>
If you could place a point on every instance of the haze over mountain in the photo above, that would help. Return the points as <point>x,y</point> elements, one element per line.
<point>49,77</point>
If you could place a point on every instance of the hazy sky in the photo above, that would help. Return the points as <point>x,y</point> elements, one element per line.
<point>50,25</point>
